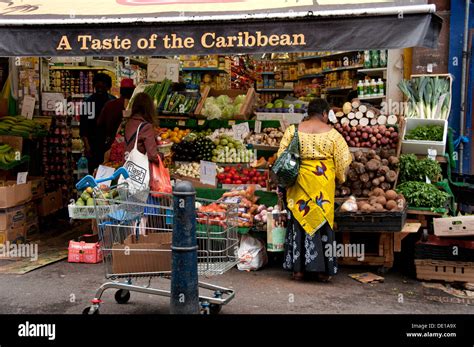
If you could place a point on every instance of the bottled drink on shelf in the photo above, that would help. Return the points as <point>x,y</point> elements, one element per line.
<point>381,87</point>
<point>374,88</point>
<point>375,58</point>
<point>367,60</point>
<point>383,58</point>
<point>367,88</point>
<point>360,88</point>
<point>82,167</point>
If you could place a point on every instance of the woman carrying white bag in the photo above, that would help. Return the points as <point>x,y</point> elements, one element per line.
<point>140,143</point>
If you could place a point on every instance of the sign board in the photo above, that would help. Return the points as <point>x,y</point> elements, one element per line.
<point>21,177</point>
<point>208,171</point>
<point>241,130</point>
<point>49,101</point>
<point>160,69</point>
<point>258,126</point>
<point>28,107</point>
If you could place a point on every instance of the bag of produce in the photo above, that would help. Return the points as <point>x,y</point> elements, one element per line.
<point>160,179</point>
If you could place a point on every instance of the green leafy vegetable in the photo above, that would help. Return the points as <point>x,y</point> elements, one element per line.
<point>426,133</point>
<point>414,169</point>
<point>420,194</point>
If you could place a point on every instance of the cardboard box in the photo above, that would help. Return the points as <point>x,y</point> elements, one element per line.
<point>12,194</point>
<point>37,187</point>
<point>50,203</point>
<point>12,218</point>
<point>32,227</point>
<point>449,271</point>
<point>142,255</point>
<point>454,226</point>
<point>31,212</point>
<point>17,235</point>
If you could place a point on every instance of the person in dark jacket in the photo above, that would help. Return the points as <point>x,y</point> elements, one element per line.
<point>92,138</point>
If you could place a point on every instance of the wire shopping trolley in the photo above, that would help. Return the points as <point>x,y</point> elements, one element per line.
<point>135,233</point>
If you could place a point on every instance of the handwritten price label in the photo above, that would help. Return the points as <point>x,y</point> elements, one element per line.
<point>208,172</point>
<point>241,130</point>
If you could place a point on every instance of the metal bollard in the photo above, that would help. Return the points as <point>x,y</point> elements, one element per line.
<point>184,277</point>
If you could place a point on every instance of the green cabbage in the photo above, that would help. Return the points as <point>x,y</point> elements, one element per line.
<point>239,99</point>
<point>223,100</point>
<point>212,111</point>
<point>228,112</point>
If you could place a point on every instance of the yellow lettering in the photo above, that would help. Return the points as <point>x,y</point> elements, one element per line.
<point>220,42</point>
<point>188,42</point>
<point>84,39</point>
<point>142,44</point>
<point>126,43</point>
<point>285,40</point>
<point>231,40</point>
<point>107,44</point>
<point>204,41</point>
<point>274,40</point>
<point>64,42</point>
<point>96,44</point>
<point>299,40</point>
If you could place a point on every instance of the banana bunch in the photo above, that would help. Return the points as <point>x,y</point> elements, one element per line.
<point>20,126</point>
<point>7,154</point>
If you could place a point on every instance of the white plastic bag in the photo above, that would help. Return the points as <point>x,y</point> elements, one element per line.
<point>138,168</point>
<point>252,254</point>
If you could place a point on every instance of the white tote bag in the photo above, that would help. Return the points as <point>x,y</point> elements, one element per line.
<point>138,169</point>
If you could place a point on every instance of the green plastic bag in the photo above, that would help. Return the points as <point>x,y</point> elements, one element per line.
<point>287,166</point>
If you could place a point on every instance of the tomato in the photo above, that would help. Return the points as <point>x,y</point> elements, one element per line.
<point>221,177</point>
<point>262,183</point>
<point>238,182</point>
<point>228,181</point>
<point>245,171</point>
<point>251,174</point>
<point>227,169</point>
<point>254,179</point>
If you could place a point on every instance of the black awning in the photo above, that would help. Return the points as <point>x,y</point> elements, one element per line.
<point>308,33</point>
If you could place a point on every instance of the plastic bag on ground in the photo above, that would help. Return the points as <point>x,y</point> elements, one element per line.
<point>252,254</point>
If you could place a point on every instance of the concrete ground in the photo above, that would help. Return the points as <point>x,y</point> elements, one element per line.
<point>67,288</point>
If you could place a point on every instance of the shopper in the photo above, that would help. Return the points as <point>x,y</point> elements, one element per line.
<point>143,113</point>
<point>325,157</point>
<point>88,122</point>
<point>112,115</point>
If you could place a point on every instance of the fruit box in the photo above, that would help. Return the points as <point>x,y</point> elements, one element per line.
<point>422,147</point>
<point>37,187</point>
<point>12,194</point>
<point>12,218</point>
<point>454,226</point>
<point>245,110</point>
<point>143,254</point>
<point>17,235</point>
<point>50,203</point>
<point>443,270</point>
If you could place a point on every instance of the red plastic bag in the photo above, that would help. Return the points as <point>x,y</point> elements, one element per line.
<point>160,181</point>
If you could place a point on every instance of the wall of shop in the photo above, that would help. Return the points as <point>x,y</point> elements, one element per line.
<point>455,68</point>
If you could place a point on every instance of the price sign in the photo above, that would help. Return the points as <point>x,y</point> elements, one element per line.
<point>208,172</point>
<point>50,101</point>
<point>181,123</point>
<point>21,177</point>
<point>241,130</point>
<point>28,107</point>
<point>201,122</point>
<point>159,69</point>
<point>232,122</point>
<point>103,172</point>
<point>258,126</point>
<point>432,153</point>
<point>283,125</point>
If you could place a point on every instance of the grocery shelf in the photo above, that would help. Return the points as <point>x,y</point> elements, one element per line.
<point>65,67</point>
<point>337,89</point>
<point>266,73</point>
<point>375,69</point>
<point>265,148</point>
<point>203,69</point>
<point>310,57</point>
<point>342,68</point>
<point>314,75</point>
<point>371,97</point>
<point>269,90</point>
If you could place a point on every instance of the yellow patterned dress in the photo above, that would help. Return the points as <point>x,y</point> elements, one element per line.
<point>324,159</point>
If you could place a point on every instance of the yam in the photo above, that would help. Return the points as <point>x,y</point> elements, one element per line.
<point>370,114</point>
<point>385,186</point>
<point>339,114</point>
<point>345,191</point>
<point>381,200</point>
<point>363,160</point>
<point>357,192</point>
<point>365,193</point>
<point>381,179</point>
<point>356,185</point>
<point>371,175</point>
<point>345,121</point>
<point>394,161</point>
<point>354,122</point>
<point>392,120</point>
<point>383,170</point>
<point>377,192</point>
<point>382,120</point>
<point>359,115</point>
<point>364,121</point>
<point>355,104</point>
<point>385,162</point>
<point>373,165</point>
<point>364,178</point>
<point>373,121</point>
<point>376,182</point>
<point>359,168</point>
<point>368,184</point>
<point>378,207</point>
<point>371,154</point>
<point>363,108</point>
<point>366,208</point>
<point>347,108</point>
<point>358,155</point>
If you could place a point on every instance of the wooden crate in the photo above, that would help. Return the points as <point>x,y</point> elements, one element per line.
<point>246,109</point>
<point>449,271</point>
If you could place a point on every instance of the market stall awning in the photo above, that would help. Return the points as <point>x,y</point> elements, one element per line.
<point>172,27</point>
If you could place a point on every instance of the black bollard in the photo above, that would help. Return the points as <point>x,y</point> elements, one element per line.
<point>184,277</point>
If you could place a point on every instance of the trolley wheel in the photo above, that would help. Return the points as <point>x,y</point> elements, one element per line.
<point>215,308</point>
<point>122,296</point>
<point>88,309</point>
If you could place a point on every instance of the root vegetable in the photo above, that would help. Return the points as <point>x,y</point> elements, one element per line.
<point>383,170</point>
<point>381,200</point>
<point>359,115</point>
<point>345,191</point>
<point>371,174</point>
<point>391,204</point>
<point>366,208</point>
<point>364,178</point>
<point>378,207</point>
<point>377,192</point>
<point>371,154</point>
<point>391,176</point>
<point>355,104</point>
<point>376,182</point>
<point>352,175</point>
<point>370,114</point>
<point>385,186</point>
<point>373,165</point>
<point>357,192</point>
<point>382,120</point>
<point>364,121</point>
<point>365,192</point>
<point>356,185</point>
<point>354,122</point>
<point>393,161</point>
<point>392,120</point>
<point>367,185</point>
<point>358,155</point>
<point>351,115</point>
<point>345,121</point>
<point>363,160</point>
<point>381,179</point>
<point>391,195</point>
<point>363,108</point>
<point>347,107</point>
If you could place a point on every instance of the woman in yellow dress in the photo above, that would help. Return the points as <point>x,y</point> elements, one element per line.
<point>325,157</point>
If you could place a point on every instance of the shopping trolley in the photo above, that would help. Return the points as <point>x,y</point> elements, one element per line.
<point>135,231</point>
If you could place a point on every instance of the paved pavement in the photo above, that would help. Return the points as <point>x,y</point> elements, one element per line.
<point>67,288</point>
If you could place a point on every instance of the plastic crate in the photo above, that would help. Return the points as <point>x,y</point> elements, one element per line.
<point>374,221</point>
<point>449,271</point>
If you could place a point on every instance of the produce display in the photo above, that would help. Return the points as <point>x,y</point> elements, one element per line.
<point>239,175</point>
<point>20,126</point>
<point>414,169</point>
<point>283,106</point>
<point>228,150</point>
<point>428,97</point>
<point>86,197</point>
<point>426,133</point>
<point>374,137</point>
<point>8,155</point>
<point>188,170</point>
<point>222,107</point>
<point>201,148</point>
<point>355,113</point>
<point>269,137</point>
<point>175,135</point>
<point>180,103</point>
<point>378,201</point>
<point>421,194</point>
<point>368,171</point>
<point>158,91</point>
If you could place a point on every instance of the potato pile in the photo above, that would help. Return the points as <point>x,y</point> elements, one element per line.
<point>269,137</point>
<point>368,171</point>
<point>380,201</point>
